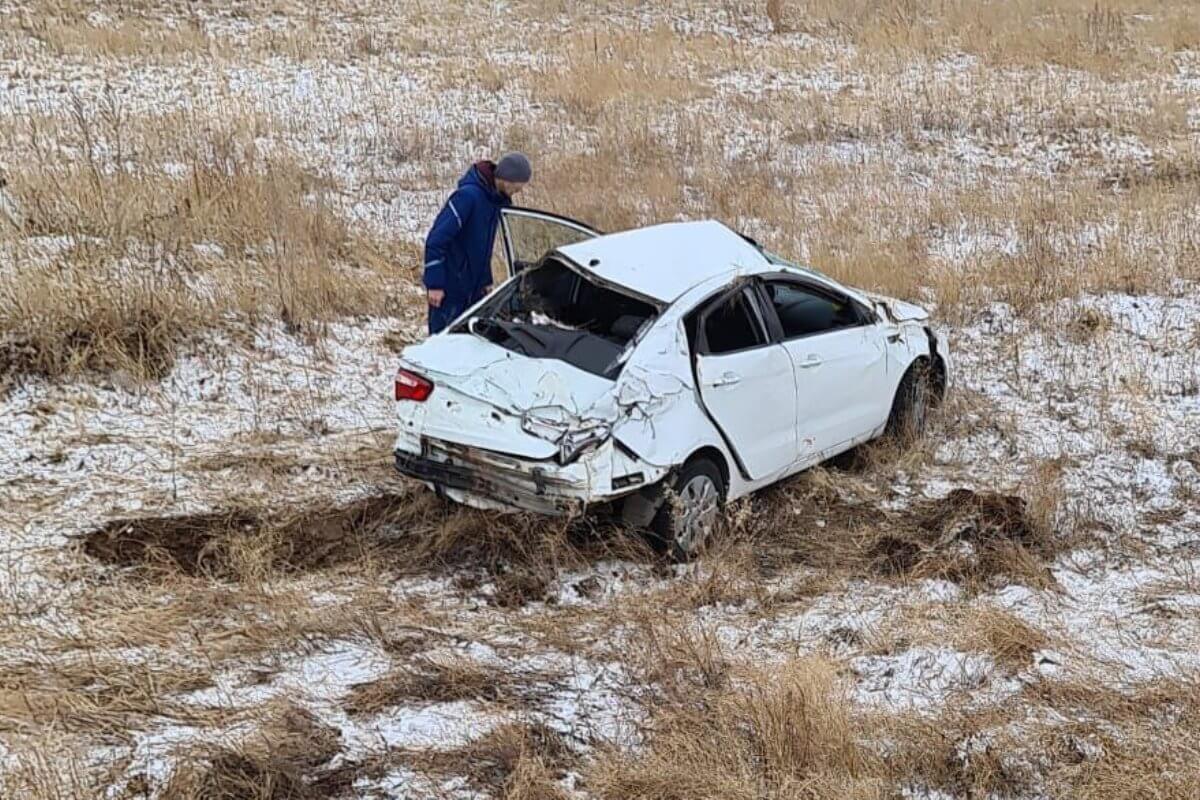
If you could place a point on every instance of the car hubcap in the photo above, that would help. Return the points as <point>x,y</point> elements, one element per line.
<point>698,508</point>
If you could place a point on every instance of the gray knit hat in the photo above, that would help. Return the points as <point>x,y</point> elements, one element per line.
<point>514,167</point>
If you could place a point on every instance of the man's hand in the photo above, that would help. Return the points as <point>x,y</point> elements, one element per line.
<point>436,296</point>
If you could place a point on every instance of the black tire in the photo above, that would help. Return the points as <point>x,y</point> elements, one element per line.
<point>698,492</point>
<point>910,408</point>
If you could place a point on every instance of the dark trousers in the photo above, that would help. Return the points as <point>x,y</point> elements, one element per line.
<point>450,309</point>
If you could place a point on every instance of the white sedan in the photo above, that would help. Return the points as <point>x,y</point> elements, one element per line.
<point>667,369</point>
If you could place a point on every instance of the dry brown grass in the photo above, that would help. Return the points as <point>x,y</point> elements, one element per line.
<point>783,731</point>
<point>48,772</point>
<point>94,318</point>
<point>97,695</point>
<point>722,728</point>
<point>1110,37</point>
<point>136,279</point>
<point>864,150</point>
<point>613,72</point>
<point>128,38</point>
<point>429,680</point>
<point>1008,639</point>
<point>1148,751</point>
<point>834,522</point>
<point>1011,640</point>
<point>514,761</point>
<point>1128,744</point>
<point>786,733</point>
<point>775,11</point>
<point>643,144</point>
<point>281,760</point>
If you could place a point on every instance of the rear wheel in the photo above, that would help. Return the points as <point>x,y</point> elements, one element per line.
<point>910,408</point>
<point>687,519</point>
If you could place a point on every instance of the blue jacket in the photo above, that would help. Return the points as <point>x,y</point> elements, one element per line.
<point>458,249</point>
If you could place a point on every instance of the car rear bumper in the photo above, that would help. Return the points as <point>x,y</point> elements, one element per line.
<point>484,479</point>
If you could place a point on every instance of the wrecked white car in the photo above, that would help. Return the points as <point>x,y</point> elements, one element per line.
<point>666,369</point>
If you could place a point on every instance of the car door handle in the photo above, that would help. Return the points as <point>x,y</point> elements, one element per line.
<point>810,362</point>
<point>728,379</point>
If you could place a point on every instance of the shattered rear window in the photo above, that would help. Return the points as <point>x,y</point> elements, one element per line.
<point>552,311</point>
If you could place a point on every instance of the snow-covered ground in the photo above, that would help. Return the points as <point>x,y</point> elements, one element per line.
<point>1085,405</point>
<point>81,454</point>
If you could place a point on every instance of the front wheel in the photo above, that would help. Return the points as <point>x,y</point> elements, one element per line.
<point>689,515</point>
<point>910,408</point>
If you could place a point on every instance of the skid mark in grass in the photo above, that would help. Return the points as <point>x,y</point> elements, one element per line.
<point>229,544</point>
<point>968,536</point>
<point>409,532</point>
<point>185,543</point>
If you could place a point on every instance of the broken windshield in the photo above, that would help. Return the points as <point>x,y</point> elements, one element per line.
<point>552,311</point>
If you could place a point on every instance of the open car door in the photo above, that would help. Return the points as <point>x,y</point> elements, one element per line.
<point>529,235</point>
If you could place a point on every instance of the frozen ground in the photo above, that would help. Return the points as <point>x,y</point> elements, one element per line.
<point>1088,407</point>
<point>81,454</point>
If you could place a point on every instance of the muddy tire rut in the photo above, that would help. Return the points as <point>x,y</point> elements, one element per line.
<point>215,544</point>
<point>411,531</point>
<point>967,536</point>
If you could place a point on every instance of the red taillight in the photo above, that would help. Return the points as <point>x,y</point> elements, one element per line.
<point>411,386</point>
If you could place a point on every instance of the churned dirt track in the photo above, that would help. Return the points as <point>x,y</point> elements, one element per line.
<point>213,586</point>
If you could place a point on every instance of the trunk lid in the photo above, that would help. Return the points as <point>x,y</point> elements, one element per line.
<point>487,396</point>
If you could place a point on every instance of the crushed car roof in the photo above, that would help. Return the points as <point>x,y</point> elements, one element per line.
<point>664,261</point>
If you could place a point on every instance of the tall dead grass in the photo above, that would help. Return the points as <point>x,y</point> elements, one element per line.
<point>610,68</point>
<point>1058,156</point>
<point>71,36</point>
<point>150,258</point>
<point>719,730</point>
<point>641,126</point>
<point>86,317</point>
<point>1113,37</point>
<point>1104,220</point>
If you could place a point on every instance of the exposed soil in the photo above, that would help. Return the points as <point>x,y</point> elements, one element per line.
<point>18,358</point>
<point>211,544</point>
<point>980,517</point>
<point>966,536</point>
<point>971,536</point>
<point>190,543</point>
<point>415,530</point>
<point>518,587</point>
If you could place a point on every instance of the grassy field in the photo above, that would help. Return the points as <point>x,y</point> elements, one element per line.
<point>213,586</point>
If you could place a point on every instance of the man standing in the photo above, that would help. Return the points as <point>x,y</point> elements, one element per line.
<point>458,249</point>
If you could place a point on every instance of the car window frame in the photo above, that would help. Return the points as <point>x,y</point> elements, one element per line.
<point>713,304</point>
<point>866,317</point>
